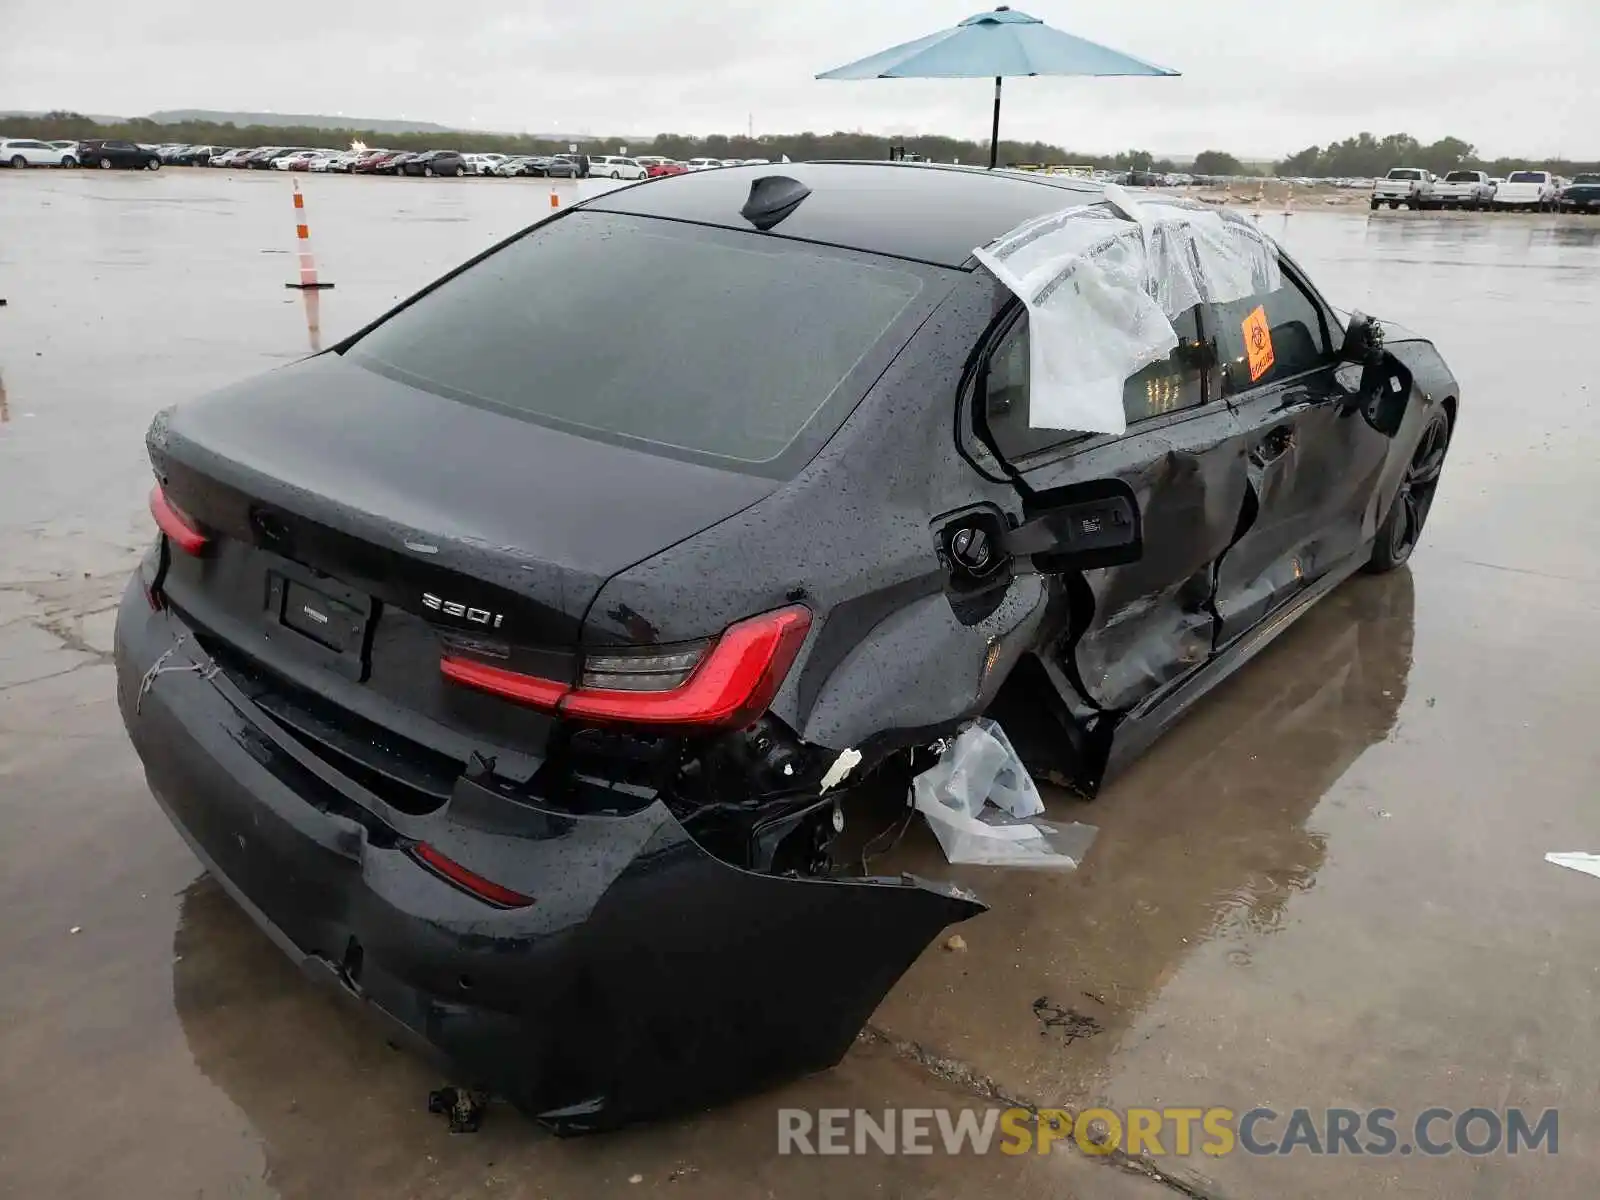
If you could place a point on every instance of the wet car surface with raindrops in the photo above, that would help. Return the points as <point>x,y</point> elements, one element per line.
<point>1307,848</point>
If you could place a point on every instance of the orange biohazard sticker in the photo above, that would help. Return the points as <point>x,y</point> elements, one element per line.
<point>1258,343</point>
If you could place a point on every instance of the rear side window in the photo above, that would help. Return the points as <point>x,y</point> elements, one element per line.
<point>703,343</point>
<point>1175,382</point>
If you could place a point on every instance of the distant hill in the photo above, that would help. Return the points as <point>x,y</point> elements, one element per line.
<point>178,116</point>
<point>99,118</point>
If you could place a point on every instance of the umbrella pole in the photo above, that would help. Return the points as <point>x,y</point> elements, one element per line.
<point>994,137</point>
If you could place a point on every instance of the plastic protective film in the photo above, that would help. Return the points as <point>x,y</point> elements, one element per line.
<point>1103,283</point>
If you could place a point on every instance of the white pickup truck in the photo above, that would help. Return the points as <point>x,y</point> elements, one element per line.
<point>1411,186</point>
<point>1465,189</point>
<point>1536,191</point>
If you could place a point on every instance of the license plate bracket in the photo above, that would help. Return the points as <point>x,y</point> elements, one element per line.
<point>331,622</point>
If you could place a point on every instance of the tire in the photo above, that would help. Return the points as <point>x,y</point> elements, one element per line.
<point>428,171</point>
<point>1394,205</point>
<point>152,164</point>
<point>1374,206</point>
<point>456,174</point>
<point>1402,528</point>
<point>18,163</point>
<point>68,161</point>
<point>105,164</point>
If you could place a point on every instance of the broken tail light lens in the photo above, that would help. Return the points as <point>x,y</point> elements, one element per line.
<point>728,682</point>
<point>470,882</point>
<point>178,526</point>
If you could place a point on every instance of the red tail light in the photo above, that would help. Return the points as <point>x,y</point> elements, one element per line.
<point>524,689</point>
<point>728,684</point>
<point>180,529</point>
<point>486,890</point>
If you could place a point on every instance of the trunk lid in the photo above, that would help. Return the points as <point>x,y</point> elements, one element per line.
<point>358,525</point>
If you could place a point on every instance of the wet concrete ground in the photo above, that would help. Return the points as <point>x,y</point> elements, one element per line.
<point>1326,887</point>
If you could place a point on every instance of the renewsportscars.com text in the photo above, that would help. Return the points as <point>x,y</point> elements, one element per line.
<point>1169,1130</point>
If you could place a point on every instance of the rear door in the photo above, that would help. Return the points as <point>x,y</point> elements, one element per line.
<point>1312,462</point>
<point>1135,627</point>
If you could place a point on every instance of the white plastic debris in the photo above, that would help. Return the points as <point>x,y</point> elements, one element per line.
<point>1576,860</point>
<point>983,807</point>
<point>1103,283</point>
<point>847,761</point>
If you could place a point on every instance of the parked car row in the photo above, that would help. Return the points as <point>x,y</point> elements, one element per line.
<point>1528,191</point>
<point>22,152</point>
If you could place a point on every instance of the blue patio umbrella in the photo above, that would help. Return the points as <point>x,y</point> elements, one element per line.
<point>998,43</point>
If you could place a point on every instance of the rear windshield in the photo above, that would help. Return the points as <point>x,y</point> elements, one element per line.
<point>1526,177</point>
<point>1405,173</point>
<point>709,344</point>
<point>1461,177</point>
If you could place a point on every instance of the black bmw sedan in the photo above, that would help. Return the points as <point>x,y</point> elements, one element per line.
<point>494,660</point>
<point>435,162</point>
<point>112,152</point>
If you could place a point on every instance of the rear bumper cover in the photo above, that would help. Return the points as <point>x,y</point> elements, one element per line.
<point>647,978</point>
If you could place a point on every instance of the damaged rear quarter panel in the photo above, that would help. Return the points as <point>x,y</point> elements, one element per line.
<point>921,667</point>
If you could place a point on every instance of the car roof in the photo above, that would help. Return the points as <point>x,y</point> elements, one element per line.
<point>923,211</point>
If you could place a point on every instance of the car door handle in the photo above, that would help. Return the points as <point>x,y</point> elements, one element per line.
<point>1274,445</point>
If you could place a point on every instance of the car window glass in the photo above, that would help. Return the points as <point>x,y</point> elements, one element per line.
<point>670,337</point>
<point>1166,386</point>
<point>1287,334</point>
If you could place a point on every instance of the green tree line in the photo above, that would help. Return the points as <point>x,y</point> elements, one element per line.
<point>1366,155</point>
<point>1363,155</point>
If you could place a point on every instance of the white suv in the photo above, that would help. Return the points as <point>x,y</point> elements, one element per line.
<point>614,166</point>
<point>25,152</point>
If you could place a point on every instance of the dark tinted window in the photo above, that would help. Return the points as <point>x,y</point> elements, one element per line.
<point>1295,340</point>
<point>1160,388</point>
<point>1461,177</point>
<point>701,342</point>
<point>1405,173</point>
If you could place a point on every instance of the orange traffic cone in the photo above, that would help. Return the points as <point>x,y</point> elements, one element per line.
<point>302,233</point>
<point>555,200</point>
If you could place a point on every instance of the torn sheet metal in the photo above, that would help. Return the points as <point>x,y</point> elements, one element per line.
<point>984,808</point>
<point>1102,285</point>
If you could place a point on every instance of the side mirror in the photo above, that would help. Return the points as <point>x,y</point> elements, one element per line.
<point>1386,382</point>
<point>1363,340</point>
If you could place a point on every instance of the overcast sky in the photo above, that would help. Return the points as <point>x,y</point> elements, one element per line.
<point>1260,77</point>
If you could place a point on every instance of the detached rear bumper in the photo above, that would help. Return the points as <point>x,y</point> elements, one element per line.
<point>646,978</point>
